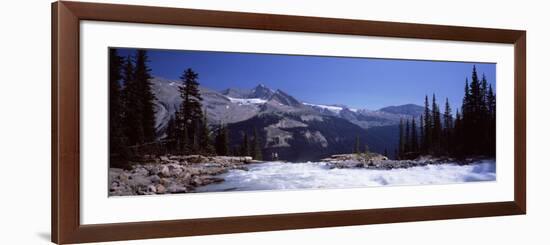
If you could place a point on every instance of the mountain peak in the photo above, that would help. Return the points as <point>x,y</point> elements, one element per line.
<point>260,85</point>
<point>261,91</point>
<point>285,99</point>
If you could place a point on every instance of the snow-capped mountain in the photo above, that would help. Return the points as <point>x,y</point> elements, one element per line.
<point>296,130</point>
<point>259,92</point>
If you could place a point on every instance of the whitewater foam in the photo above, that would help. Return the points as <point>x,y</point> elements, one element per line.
<point>308,175</point>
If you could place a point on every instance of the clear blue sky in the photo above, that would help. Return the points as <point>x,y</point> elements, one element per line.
<point>355,82</point>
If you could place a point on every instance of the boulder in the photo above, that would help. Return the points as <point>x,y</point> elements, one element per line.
<point>154,178</point>
<point>176,189</point>
<point>165,171</point>
<point>160,189</point>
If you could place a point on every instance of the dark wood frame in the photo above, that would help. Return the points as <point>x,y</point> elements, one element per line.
<point>65,175</point>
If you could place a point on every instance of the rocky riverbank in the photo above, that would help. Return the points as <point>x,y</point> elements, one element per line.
<point>377,161</point>
<point>172,174</point>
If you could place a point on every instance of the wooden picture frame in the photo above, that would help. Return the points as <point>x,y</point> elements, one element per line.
<point>65,175</point>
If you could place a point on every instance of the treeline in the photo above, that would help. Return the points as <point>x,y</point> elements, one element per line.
<point>188,130</point>
<point>472,131</point>
<point>131,105</point>
<point>132,117</point>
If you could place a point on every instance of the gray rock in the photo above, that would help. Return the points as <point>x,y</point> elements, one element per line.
<point>154,178</point>
<point>160,189</point>
<point>165,171</point>
<point>177,189</point>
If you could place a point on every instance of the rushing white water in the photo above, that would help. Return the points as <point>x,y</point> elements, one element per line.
<point>284,176</point>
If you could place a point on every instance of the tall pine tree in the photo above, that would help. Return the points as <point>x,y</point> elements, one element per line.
<point>133,126</point>
<point>256,147</point>
<point>436,127</point>
<point>407,137</point>
<point>414,137</point>
<point>427,126</point>
<point>146,96</point>
<point>118,151</point>
<point>401,146</point>
<point>245,147</point>
<point>448,127</point>
<point>204,136</point>
<point>222,141</point>
<point>190,111</point>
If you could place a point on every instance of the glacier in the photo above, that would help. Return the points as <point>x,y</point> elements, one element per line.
<point>315,175</point>
<point>247,101</point>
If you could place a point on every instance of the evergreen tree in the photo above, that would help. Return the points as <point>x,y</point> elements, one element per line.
<point>491,104</point>
<point>414,137</point>
<point>465,116</point>
<point>171,135</point>
<point>466,99</point>
<point>484,93</point>
<point>256,148</point>
<point>185,144</point>
<point>245,147</point>
<point>448,127</point>
<point>195,136</point>
<point>436,127</point>
<point>115,100</point>
<point>118,151</point>
<point>190,111</point>
<point>447,117</point>
<point>204,137</point>
<point>427,126</point>
<point>407,137</point>
<point>222,141</point>
<point>401,146</point>
<point>422,150</point>
<point>146,96</point>
<point>132,116</point>
<point>458,136</point>
<point>485,116</point>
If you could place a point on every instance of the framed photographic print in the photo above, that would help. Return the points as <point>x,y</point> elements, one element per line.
<point>176,122</point>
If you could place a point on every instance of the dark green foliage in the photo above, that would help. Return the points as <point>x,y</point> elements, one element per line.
<point>245,146</point>
<point>138,104</point>
<point>339,133</point>
<point>205,146</point>
<point>414,137</point>
<point>222,141</point>
<point>447,139</point>
<point>146,96</point>
<point>171,135</point>
<point>427,137</point>
<point>133,127</point>
<point>421,147</point>
<point>471,132</point>
<point>436,128</point>
<point>401,147</point>
<point>408,141</point>
<point>256,149</point>
<point>118,150</point>
<point>191,125</point>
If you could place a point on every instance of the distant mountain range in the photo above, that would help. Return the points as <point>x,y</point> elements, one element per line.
<point>296,130</point>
